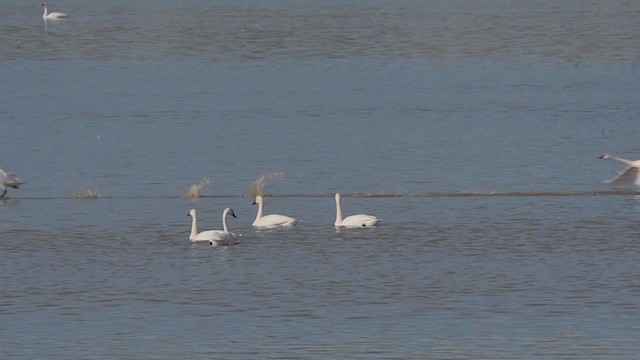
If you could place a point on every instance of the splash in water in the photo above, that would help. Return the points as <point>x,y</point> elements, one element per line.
<point>84,193</point>
<point>8,180</point>
<point>195,191</point>
<point>260,182</point>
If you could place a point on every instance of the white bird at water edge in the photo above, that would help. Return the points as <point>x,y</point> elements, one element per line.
<point>8,180</point>
<point>629,173</point>
<point>360,220</point>
<point>52,15</point>
<point>271,220</point>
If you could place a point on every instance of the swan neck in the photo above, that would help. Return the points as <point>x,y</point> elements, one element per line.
<point>625,161</point>
<point>260,213</point>
<point>44,16</point>
<point>224,222</point>
<point>194,226</point>
<point>338,211</point>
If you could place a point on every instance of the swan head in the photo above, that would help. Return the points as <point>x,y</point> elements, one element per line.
<point>192,213</point>
<point>220,242</point>
<point>605,156</point>
<point>338,196</point>
<point>258,200</point>
<point>229,212</point>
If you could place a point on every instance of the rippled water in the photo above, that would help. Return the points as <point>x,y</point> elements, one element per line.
<point>287,31</point>
<point>473,128</point>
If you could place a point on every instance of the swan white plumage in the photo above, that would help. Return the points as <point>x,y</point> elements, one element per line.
<point>272,220</point>
<point>214,237</point>
<point>8,180</point>
<point>224,237</point>
<point>360,220</point>
<point>53,15</point>
<point>628,174</point>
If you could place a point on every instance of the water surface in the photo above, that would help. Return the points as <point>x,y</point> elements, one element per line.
<point>472,128</point>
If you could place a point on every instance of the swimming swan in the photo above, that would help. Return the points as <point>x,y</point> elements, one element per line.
<point>360,220</point>
<point>272,220</point>
<point>631,172</point>
<point>8,180</point>
<point>214,237</point>
<point>224,237</point>
<point>53,15</point>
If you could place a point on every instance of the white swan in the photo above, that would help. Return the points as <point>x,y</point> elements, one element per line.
<point>272,220</point>
<point>224,237</point>
<point>214,237</point>
<point>53,15</point>
<point>8,180</point>
<point>360,220</point>
<point>631,172</point>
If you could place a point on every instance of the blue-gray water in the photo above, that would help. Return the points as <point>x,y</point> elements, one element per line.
<point>480,121</point>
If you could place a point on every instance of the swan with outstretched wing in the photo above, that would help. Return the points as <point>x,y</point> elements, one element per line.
<point>631,173</point>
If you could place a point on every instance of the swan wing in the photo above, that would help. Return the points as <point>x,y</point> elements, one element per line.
<point>9,180</point>
<point>628,174</point>
<point>223,238</point>
<point>360,220</point>
<point>222,235</point>
<point>372,222</point>
<point>56,15</point>
<point>275,220</point>
<point>207,235</point>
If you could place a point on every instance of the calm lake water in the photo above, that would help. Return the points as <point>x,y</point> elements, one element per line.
<point>473,128</point>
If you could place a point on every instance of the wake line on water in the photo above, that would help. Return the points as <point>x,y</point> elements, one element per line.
<point>445,194</point>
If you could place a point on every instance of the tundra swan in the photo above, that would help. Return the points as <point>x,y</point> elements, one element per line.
<point>8,180</point>
<point>272,220</point>
<point>53,15</point>
<point>631,172</point>
<point>359,220</point>
<point>224,237</point>
<point>214,237</point>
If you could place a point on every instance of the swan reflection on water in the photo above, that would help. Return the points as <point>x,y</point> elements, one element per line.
<point>51,16</point>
